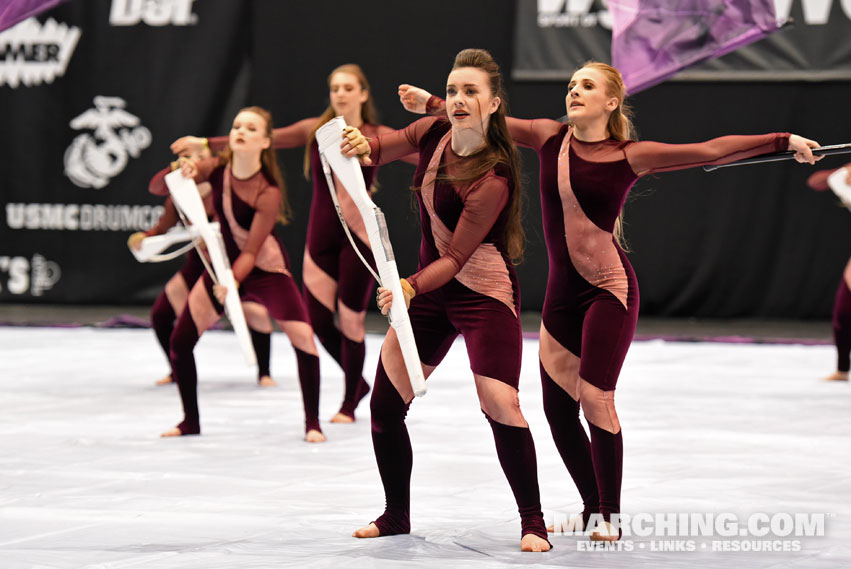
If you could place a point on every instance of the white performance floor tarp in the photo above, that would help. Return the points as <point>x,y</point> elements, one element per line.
<point>717,431</point>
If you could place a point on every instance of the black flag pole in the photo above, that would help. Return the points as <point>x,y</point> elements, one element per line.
<point>787,155</point>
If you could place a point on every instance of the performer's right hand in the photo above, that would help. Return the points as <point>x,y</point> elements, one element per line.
<point>413,98</point>
<point>220,292</point>
<point>384,297</point>
<point>355,144</point>
<point>802,147</point>
<point>188,145</point>
<point>189,169</point>
<point>135,240</point>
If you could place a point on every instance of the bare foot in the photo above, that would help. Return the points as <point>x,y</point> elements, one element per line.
<point>267,381</point>
<point>182,429</point>
<point>164,381</point>
<point>837,376</point>
<point>531,542</point>
<point>342,418</point>
<point>605,532</point>
<point>314,436</point>
<point>572,525</point>
<point>368,531</point>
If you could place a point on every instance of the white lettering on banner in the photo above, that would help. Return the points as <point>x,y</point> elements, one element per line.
<point>85,217</point>
<point>152,12</point>
<point>573,14</point>
<point>90,164</point>
<point>32,53</point>
<point>581,13</point>
<point>44,274</point>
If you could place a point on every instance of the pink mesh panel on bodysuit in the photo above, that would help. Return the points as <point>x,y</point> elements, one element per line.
<point>591,248</point>
<point>350,211</point>
<point>485,271</point>
<point>269,257</point>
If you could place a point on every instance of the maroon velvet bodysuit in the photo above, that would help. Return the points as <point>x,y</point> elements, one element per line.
<point>465,285</point>
<point>591,304</point>
<point>332,271</point>
<point>247,209</point>
<point>171,301</point>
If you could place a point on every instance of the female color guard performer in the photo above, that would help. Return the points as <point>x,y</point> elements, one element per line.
<point>842,303</point>
<point>334,279</point>
<point>591,305</point>
<point>172,300</point>
<point>248,194</point>
<point>469,198</point>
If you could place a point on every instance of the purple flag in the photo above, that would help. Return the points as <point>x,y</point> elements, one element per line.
<point>654,39</point>
<point>14,11</point>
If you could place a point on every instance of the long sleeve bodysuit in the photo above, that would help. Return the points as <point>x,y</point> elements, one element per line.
<point>172,300</point>
<point>334,280</point>
<point>591,304</point>
<point>247,210</point>
<point>465,285</point>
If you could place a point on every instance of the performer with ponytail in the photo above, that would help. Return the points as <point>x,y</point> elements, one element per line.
<point>249,196</point>
<point>172,300</point>
<point>842,303</point>
<point>591,305</point>
<point>334,279</point>
<point>468,190</point>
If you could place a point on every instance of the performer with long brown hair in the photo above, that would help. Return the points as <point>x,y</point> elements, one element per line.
<point>468,191</point>
<point>171,301</point>
<point>249,197</point>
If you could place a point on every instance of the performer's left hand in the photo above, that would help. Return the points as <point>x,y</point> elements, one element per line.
<point>189,168</point>
<point>355,144</point>
<point>220,292</point>
<point>135,240</point>
<point>384,297</point>
<point>802,148</point>
<point>413,98</point>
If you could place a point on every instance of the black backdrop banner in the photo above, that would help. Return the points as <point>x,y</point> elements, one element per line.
<point>553,37</point>
<point>739,242</point>
<point>91,95</point>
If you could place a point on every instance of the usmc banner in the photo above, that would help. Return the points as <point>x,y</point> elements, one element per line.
<point>91,95</point>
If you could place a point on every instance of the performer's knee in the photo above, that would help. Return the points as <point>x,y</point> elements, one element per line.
<point>257,317</point>
<point>300,335</point>
<point>599,407</point>
<point>321,318</point>
<point>558,403</point>
<point>351,322</point>
<point>500,401</point>
<point>162,314</point>
<point>386,405</point>
<point>183,339</point>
